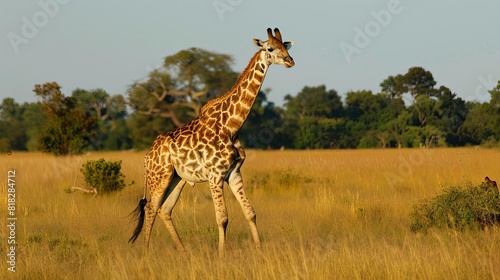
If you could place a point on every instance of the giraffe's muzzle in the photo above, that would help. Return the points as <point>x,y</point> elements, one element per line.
<point>289,62</point>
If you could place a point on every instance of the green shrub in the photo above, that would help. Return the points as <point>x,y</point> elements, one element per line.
<point>459,208</point>
<point>103,176</point>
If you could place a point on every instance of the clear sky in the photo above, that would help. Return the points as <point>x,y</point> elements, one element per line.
<point>345,45</point>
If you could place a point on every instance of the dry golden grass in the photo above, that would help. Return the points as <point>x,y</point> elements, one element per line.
<point>339,214</point>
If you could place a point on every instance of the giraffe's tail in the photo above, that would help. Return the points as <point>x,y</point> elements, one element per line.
<point>138,214</point>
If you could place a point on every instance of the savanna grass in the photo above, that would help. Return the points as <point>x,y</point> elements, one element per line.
<point>321,214</point>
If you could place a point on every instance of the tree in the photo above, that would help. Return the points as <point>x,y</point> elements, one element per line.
<point>93,102</point>
<point>476,127</point>
<point>397,128</point>
<point>315,115</point>
<point>494,109</point>
<point>178,91</point>
<point>110,113</point>
<point>453,112</point>
<point>393,86</point>
<point>363,108</point>
<point>429,106</point>
<point>201,74</point>
<point>426,109</point>
<point>12,131</point>
<point>144,129</point>
<point>33,119</point>
<point>67,130</point>
<point>314,102</point>
<point>418,81</point>
<point>372,113</point>
<point>20,125</point>
<point>483,120</point>
<point>156,97</point>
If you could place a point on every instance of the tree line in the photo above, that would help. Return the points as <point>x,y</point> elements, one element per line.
<point>410,110</point>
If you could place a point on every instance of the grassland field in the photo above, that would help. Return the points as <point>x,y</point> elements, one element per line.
<point>332,214</point>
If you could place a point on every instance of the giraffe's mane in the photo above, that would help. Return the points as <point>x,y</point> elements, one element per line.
<point>242,76</point>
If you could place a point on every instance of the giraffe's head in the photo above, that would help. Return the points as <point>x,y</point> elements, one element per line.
<point>276,51</point>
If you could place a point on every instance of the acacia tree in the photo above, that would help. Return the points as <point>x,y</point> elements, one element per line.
<point>156,97</point>
<point>187,81</point>
<point>67,129</point>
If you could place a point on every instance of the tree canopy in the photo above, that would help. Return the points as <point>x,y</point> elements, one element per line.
<point>67,130</point>
<point>186,82</point>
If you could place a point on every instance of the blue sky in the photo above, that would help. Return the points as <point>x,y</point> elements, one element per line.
<point>345,45</point>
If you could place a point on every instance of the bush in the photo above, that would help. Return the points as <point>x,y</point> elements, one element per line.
<point>103,176</point>
<point>459,208</point>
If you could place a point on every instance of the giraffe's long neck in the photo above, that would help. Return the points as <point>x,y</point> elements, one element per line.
<point>235,105</point>
<point>245,91</point>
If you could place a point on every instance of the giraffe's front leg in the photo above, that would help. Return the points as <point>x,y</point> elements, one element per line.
<point>236,184</point>
<point>216,185</point>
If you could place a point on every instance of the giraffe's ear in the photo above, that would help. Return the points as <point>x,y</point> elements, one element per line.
<point>258,43</point>
<point>288,45</point>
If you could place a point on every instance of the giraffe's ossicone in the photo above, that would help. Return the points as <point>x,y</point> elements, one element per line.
<point>207,149</point>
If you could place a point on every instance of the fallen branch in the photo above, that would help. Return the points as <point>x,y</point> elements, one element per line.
<point>92,190</point>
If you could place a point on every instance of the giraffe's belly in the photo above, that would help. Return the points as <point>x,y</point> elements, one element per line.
<point>197,169</point>
<point>191,172</point>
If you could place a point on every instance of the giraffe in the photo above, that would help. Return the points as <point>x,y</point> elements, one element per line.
<point>207,149</point>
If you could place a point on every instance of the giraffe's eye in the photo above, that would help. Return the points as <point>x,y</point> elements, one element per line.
<point>270,49</point>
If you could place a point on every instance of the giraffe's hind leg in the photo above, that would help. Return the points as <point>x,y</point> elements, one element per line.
<point>158,183</point>
<point>172,195</point>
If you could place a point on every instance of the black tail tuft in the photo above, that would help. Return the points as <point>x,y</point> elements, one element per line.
<point>139,215</point>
